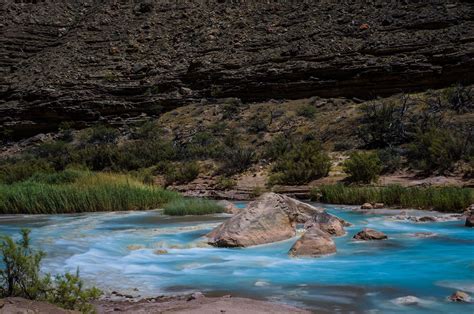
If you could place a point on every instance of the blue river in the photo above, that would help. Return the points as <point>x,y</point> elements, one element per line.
<point>156,254</point>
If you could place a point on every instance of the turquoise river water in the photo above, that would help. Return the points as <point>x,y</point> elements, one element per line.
<point>118,251</point>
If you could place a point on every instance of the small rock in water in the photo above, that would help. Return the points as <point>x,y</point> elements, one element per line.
<point>134,247</point>
<point>160,252</point>
<point>313,243</point>
<point>370,234</point>
<point>423,234</point>
<point>460,296</point>
<point>408,300</point>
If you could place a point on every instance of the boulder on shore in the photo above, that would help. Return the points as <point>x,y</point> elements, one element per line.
<point>370,234</point>
<point>313,243</point>
<point>270,218</point>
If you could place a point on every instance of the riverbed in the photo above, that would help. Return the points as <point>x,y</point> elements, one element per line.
<point>153,254</point>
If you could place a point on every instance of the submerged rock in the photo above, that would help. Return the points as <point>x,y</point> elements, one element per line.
<point>370,234</point>
<point>313,243</point>
<point>460,296</point>
<point>408,300</point>
<point>270,218</point>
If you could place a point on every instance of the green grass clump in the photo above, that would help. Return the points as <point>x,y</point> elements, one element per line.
<point>91,192</point>
<point>192,206</point>
<point>445,199</point>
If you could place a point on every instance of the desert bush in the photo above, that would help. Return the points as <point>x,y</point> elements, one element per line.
<point>460,98</point>
<point>307,111</point>
<point>383,124</point>
<point>230,108</point>
<point>391,160</point>
<point>101,134</point>
<point>436,150</point>
<point>181,173</point>
<point>303,163</point>
<point>279,146</point>
<point>59,177</point>
<point>363,167</point>
<point>19,170</point>
<point>225,183</point>
<point>236,159</point>
<point>192,206</point>
<point>20,277</point>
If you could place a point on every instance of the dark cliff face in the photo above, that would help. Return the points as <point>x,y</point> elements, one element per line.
<point>87,61</point>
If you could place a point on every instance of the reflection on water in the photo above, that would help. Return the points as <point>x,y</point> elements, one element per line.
<point>125,250</point>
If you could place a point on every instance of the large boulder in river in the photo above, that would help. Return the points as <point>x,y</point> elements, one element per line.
<point>313,243</point>
<point>327,223</point>
<point>370,234</point>
<point>270,218</point>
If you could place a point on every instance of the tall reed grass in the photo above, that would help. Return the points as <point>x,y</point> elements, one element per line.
<point>445,199</point>
<point>192,206</point>
<point>89,192</point>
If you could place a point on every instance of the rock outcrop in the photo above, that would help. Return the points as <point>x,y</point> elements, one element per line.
<point>313,243</point>
<point>370,234</point>
<point>229,207</point>
<point>270,218</point>
<point>87,61</point>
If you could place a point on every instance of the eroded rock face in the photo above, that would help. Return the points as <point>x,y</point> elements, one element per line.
<point>115,60</point>
<point>270,218</point>
<point>313,243</point>
<point>370,234</point>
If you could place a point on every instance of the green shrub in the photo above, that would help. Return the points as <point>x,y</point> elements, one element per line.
<point>436,150</point>
<point>279,146</point>
<point>21,170</point>
<point>383,124</point>
<point>302,164</point>
<point>193,206</point>
<point>102,134</point>
<point>307,111</point>
<point>20,277</point>
<point>460,98</point>
<point>363,167</point>
<point>236,160</point>
<point>224,183</point>
<point>181,173</point>
<point>391,160</point>
<point>446,199</point>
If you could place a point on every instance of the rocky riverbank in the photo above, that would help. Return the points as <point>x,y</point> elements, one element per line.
<point>196,303</point>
